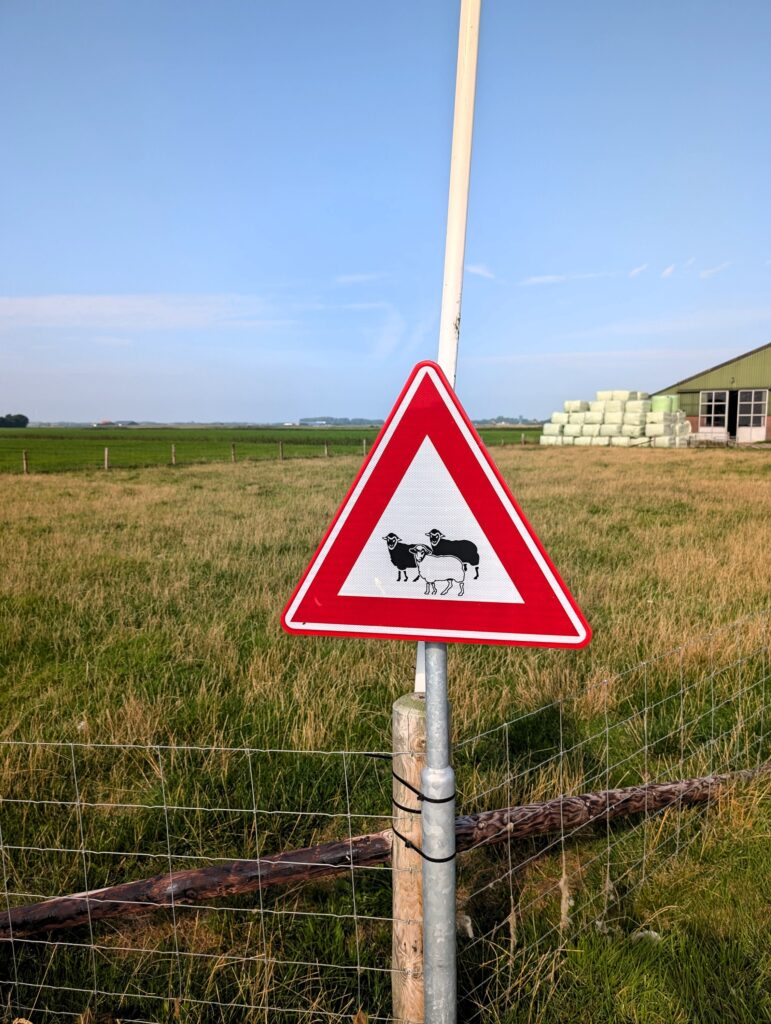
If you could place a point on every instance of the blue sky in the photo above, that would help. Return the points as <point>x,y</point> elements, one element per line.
<point>236,210</point>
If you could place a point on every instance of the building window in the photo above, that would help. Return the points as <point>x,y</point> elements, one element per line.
<point>712,409</point>
<point>752,408</point>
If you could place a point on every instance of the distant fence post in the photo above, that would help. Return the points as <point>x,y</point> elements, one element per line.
<point>24,462</point>
<point>173,455</point>
<point>233,452</point>
<point>522,438</point>
<point>409,749</point>
<point>280,451</point>
<point>326,449</point>
<point>364,446</point>
<point>106,458</point>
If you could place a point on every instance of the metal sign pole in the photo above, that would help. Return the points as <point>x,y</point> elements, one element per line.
<point>438,778</point>
<point>437,820</point>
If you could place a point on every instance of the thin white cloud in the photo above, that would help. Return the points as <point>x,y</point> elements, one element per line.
<point>638,270</point>
<point>105,341</point>
<point>480,270</point>
<point>633,355</point>
<point>684,323</point>
<point>690,262</point>
<point>711,271</point>
<point>366,278</point>
<point>528,282</point>
<point>668,271</point>
<point>134,312</point>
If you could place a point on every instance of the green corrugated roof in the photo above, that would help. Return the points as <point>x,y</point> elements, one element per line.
<point>751,370</point>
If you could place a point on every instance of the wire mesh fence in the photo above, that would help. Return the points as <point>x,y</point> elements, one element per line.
<point>78,817</point>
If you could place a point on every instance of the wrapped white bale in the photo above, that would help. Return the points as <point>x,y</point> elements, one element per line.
<point>621,442</point>
<point>553,429</point>
<point>614,417</point>
<point>560,417</point>
<point>657,416</point>
<point>659,430</point>
<point>572,429</point>
<point>614,405</point>
<point>623,396</point>
<point>634,419</point>
<point>560,440</point>
<point>574,405</point>
<point>610,430</point>
<point>633,429</point>
<point>597,406</point>
<point>604,396</point>
<point>681,442</point>
<point>638,405</point>
<point>601,441</point>
<point>594,417</point>
<point>682,429</point>
<point>577,417</point>
<point>661,403</point>
<point>568,440</point>
<point>667,441</point>
<point>591,430</point>
<point>639,442</point>
<point>582,441</point>
<point>547,439</point>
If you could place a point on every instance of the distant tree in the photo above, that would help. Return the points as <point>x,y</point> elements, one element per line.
<point>15,419</point>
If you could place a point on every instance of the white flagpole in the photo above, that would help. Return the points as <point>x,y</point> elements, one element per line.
<point>457,215</point>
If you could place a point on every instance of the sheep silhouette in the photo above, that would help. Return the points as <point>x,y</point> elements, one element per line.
<point>401,556</point>
<point>465,550</point>
<point>438,569</point>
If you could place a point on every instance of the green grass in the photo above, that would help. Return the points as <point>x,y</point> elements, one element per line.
<point>142,607</point>
<point>54,449</point>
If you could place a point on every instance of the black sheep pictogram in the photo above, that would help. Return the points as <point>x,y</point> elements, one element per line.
<point>402,557</point>
<point>465,550</point>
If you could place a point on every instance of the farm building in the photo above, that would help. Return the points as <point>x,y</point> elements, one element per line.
<point>730,400</point>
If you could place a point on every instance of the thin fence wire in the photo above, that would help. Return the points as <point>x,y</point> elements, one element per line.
<point>77,817</point>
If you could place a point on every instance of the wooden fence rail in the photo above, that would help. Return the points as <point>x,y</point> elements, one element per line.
<point>245,876</point>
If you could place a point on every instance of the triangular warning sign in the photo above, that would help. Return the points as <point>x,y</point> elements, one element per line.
<point>429,543</point>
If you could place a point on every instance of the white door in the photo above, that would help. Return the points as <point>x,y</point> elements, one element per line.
<point>751,416</point>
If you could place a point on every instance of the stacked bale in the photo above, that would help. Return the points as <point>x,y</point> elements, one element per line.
<point>623,419</point>
<point>565,426</point>
<point>666,424</point>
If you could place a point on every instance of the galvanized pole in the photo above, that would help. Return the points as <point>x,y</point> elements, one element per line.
<point>438,830</point>
<point>438,779</point>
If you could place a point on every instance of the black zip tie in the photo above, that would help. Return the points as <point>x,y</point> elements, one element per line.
<point>417,849</point>
<point>422,796</point>
<point>382,757</point>
<point>409,810</point>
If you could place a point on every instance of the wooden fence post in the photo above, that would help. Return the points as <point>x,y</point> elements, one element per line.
<point>364,446</point>
<point>521,438</point>
<point>326,449</point>
<point>173,455</point>
<point>106,458</point>
<point>409,748</point>
<point>24,462</point>
<point>281,451</point>
<point>233,452</point>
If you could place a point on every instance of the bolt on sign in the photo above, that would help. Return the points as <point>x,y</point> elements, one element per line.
<point>430,544</point>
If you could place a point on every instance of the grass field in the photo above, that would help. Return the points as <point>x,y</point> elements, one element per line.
<point>51,449</point>
<point>142,607</point>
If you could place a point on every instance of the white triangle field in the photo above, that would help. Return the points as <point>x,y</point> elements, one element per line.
<point>426,499</point>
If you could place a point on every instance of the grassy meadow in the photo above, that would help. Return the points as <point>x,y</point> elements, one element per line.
<point>54,449</point>
<point>141,607</point>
